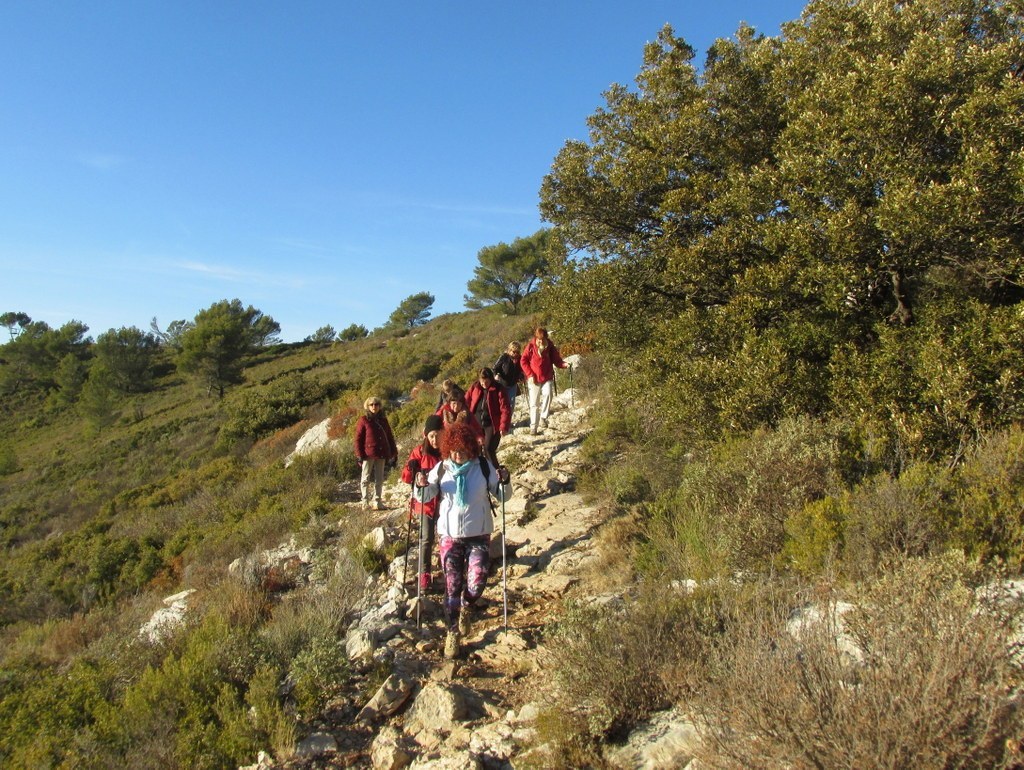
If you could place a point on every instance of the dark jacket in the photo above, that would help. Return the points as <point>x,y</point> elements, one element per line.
<point>497,405</point>
<point>374,438</point>
<point>507,370</point>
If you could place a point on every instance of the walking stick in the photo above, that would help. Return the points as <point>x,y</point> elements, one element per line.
<point>414,467</point>
<point>419,562</point>
<point>408,533</point>
<point>504,562</point>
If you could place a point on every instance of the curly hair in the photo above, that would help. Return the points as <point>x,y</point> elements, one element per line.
<point>458,436</point>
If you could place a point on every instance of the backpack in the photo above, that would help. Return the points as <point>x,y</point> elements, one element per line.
<point>485,468</point>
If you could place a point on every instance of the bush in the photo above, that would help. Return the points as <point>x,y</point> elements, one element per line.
<point>614,667</point>
<point>903,516</point>
<point>730,508</point>
<point>8,460</point>
<point>257,412</point>
<point>814,535</point>
<point>990,498</point>
<point>319,673</point>
<point>922,675</point>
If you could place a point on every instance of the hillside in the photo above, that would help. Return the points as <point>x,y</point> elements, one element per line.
<point>796,278</point>
<point>79,492</point>
<point>645,586</point>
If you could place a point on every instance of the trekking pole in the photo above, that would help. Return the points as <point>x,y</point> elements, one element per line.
<point>408,533</point>
<point>420,560</point>
<point>504,561</point>
<point>414,466</point>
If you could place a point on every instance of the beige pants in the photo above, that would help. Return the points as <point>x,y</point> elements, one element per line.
<point>540,401</point>
<point>373,473</point>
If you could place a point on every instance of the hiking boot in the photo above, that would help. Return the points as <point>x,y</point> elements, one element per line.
<point>379,506</point>
<point>424,582</point>
<point>464,621</point>
<point>533,430</point>
<point>543,422</point>
<point>451,645</point>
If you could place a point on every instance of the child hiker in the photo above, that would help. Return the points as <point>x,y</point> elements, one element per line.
<point>423,458</point>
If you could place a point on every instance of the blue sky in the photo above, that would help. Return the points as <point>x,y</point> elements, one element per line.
<point>318,160</point>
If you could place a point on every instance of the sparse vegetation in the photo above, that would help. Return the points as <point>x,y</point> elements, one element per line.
<point>802,318</point>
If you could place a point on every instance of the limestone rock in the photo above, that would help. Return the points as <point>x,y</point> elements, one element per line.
<point>359,645</point>
<point>317,745</point>
<point>388,752</point>
<point>667,741</point>
<point>436,708</point>
<point>391,696</point>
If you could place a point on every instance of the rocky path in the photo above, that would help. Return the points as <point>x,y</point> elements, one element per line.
<point>476,711</point>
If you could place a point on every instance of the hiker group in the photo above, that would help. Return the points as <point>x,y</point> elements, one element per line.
<point>455,470</point>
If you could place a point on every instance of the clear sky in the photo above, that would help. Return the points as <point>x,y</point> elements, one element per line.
<point>318,160</point>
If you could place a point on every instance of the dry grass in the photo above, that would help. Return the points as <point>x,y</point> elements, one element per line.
<point>923,676</point>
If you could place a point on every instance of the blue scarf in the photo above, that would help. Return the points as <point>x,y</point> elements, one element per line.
<point>459,472</point>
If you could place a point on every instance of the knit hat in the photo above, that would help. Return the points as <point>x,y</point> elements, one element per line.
<point>434,422</point>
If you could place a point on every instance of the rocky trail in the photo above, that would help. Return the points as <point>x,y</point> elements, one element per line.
<point>478,710</point>
<point>408,706</point>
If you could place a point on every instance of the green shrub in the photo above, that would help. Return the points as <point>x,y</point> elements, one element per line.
<point>254,413</point>
<point>319,673</point>
<point>814,535</point>
<point>627,485</point>
<point>371,560</point>
<point>730,508</point>
<point>267,712</point>
<point>8,460</point>
<point>903,516</point>
<point>988,520</point>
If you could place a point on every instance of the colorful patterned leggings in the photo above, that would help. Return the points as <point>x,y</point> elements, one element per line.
<point>465,561</point>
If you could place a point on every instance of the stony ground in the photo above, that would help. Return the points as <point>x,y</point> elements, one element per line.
<point>475,711</point>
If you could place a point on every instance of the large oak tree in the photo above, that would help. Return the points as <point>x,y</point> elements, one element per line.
<point>828,221</point>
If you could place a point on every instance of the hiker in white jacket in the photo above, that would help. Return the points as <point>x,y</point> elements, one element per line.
<point>464,522</point>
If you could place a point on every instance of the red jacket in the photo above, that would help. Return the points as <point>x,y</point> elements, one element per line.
<point>497,405</point>
<point>426,461</point>
<point>374,438</point>
<point>540,366</point>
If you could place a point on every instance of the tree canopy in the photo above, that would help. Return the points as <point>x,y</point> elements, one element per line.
<point>14,318</point>
<point>508,273</point>
<point>353,332</point>
<point>221,336</point>
<point>828,221</point>
<point>127,355</point>
<point>413,311</point>
<point>28,363</point>
<point>323,335</point>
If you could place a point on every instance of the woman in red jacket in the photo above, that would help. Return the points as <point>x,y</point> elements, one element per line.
<point>422,458</point>
<point>487,402</point>
<point>374,446</point>
<point>540,357</point>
